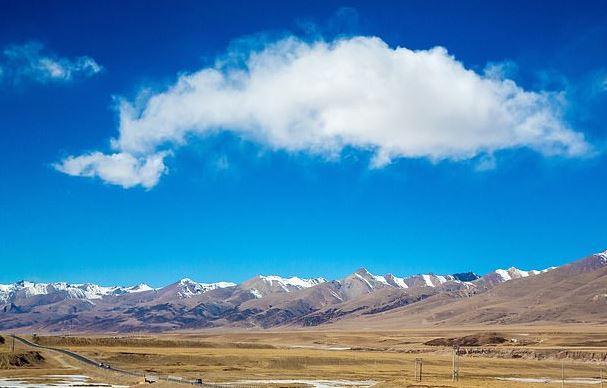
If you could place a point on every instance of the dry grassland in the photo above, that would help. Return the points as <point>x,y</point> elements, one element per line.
<point>385,357</point>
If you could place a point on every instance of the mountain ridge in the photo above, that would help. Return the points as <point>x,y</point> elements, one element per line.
<point>95,291</point>
<point>267,301</point>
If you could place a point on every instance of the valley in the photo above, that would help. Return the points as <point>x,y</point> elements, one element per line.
<point>513,328</point>
<point>299,358</point>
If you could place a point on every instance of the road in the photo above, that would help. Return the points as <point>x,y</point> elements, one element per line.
<point>106,367</point>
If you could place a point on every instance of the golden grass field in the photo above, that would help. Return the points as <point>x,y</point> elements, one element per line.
<point>385,357</point>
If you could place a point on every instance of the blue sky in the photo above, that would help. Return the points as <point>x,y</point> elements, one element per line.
<point>448,172</point>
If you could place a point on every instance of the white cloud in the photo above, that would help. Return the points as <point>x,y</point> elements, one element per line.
<point>602,83</point>
<point>222,163</point>
<point>119,169</point>
<point>486,163</point>
<point>29,62</point>
<point>501,70</point>
<point>323,96</point>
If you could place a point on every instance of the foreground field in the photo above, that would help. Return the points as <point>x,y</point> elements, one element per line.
<point>50,369</point>
<point>385,358</point>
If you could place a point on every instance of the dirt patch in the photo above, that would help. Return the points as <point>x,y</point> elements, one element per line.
<point>20,360</point>
<point>479,339</point>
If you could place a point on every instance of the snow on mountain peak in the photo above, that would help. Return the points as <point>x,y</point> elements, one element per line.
<point>362,271</point>
<point>368,278</point>
<point>381,279</point>
<point>141,287</point>
<point>223,284</point>
<point>515,273</point>
<point>432,280</point>
<point>256,294</point>
<point>602,256</point>
<point>423,280</point>
<point>512,273</point>
<point>363,279</point>
<point>400,282</point>
<point>396,281</point>
<point>428,280</point>
<point>260,286</point>
<point>27,289</point>
<point>190,288</point>
<point>505,275</point>
<point>294,281</point>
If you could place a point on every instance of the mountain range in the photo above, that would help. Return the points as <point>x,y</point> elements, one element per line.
<point>573,293</point>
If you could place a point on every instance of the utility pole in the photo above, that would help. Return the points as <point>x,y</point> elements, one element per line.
<point>455,354</point>
<point>601,378</point>
<point>418,369</point>
<point>562,373</point>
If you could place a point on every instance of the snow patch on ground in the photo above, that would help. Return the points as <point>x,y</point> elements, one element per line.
<point>54,381</point>
<point>546,380</point>
<point>313,383</point>
<point>255,292</point>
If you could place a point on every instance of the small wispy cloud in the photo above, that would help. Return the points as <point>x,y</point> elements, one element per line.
<point>119,169</point>
<point>486,163</point>
<point>601,82</point>
<point>32,62</point>
<point>501,70</point>
<point>222,163</point>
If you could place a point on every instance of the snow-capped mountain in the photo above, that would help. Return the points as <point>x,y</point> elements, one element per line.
<point>364,282</point>
<point>601,257</point>
<point>504,275</point>
<point>262,285</point>
<point>395,281</point>
<point>187,288</point>
<point>429,280</point>
<point>141,287</point>
<point>358,283</point>
<point>270,301</point>
<point>289,284</point>
<point>61,290</point>
<point>515,273</point>
<point>592,262</point>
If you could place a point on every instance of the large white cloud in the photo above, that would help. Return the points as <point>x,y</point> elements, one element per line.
<point>320,97</point>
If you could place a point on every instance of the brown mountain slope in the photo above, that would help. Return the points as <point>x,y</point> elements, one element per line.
<point>575,293</point>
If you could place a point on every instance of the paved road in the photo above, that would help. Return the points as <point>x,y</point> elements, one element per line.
<point>97,364</point>
<point>80,358</point>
